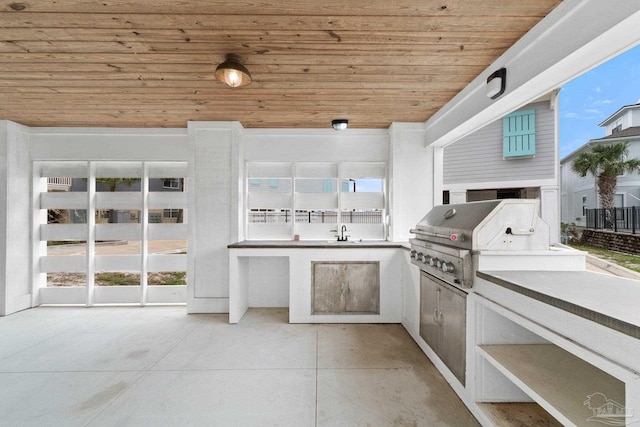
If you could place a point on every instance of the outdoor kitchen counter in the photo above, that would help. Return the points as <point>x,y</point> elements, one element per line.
<point>315,244</point>
<point>559,337</point>
<point>284,273</point>
<point>607,300</point>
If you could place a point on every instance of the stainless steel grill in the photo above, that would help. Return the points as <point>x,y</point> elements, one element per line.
<point>450,237</point>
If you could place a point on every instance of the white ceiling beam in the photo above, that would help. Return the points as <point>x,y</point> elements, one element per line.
<point>575,37</point>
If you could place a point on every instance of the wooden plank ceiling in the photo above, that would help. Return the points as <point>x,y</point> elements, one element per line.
<point>150,63</point>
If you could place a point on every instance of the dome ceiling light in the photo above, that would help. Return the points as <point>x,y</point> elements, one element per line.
<point>232,73</point>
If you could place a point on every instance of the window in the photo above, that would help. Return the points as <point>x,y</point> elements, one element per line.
<point>171,213</point>
<point>519,134</point>
<point>618,200</point>
<point>172,183</point>
<point>617,126</point>
<point>105,250</point>
<point>322,196</point>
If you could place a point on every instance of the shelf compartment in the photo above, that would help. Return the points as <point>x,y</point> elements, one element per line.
<point>518,414</point>
<point>557,380</point>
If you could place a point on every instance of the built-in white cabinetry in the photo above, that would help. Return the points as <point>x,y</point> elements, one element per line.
<point>339,282</point>
<point>518,360</point>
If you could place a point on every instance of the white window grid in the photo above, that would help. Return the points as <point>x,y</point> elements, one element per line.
<point>139,201</point>
<point>268,214</point>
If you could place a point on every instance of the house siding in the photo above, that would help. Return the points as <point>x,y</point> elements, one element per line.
<point>473,159</point>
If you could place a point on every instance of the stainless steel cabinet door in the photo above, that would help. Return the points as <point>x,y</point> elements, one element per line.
<point>429,328</point>
<point>329,288</point>
<point>453,305</point>
<point>363,288</point>
<point>345,287</point>
<point>443,314</point>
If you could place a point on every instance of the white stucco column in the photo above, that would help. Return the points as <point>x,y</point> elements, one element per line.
<point>437,156</point>
<point>549,211</point>
<point>410,178</point>
<point>214,169</point>
<point>15,224</point>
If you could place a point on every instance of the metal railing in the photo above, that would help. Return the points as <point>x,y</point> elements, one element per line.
<point>315,217</point>
<point>617,219</point>
<point>63,183</point>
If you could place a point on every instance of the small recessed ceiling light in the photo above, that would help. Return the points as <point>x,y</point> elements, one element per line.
<point>339,124</point>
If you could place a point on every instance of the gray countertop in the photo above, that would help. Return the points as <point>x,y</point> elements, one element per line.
<point>608,300</point>
<point>316,244</point>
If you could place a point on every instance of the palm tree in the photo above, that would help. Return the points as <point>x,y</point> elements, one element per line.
<point>605,162</point>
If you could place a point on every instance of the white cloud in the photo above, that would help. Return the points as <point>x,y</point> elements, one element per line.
<point>598,102</point>
<point>588,115</point>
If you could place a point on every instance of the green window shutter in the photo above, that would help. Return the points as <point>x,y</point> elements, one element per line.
<point>254,181</point>
<point>273,183</point>
<point>519,134</point>
<point>326,186</point>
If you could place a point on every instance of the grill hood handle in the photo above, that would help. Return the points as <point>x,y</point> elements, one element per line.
<point>520,231</point>
<point>453,236</point>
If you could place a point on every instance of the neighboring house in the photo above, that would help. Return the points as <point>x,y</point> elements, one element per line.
<point>121,215</point>
<point>579,194</point>
<point>514,157</point>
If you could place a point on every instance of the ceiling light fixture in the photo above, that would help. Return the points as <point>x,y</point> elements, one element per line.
<point>496,83</point>
<point>232,73</point>
<point>339,124</point>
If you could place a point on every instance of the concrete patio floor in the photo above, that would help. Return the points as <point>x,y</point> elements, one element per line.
<point>158,366</point>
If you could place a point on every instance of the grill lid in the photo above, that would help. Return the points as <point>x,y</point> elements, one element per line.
<point>509,224</point>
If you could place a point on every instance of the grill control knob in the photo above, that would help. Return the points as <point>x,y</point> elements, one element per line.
<point>426,259</point>
<point>439,263</point>
<point>413,253</point>
<point>433,261</point>
<point>419,256</point>
<point>447,267</point>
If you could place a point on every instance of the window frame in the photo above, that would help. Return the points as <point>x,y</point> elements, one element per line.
<point>334,202</point>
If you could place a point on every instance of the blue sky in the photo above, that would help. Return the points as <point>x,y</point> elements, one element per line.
<point>589,99</point>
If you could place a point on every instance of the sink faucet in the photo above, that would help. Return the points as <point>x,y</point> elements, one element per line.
<point>343,237</point>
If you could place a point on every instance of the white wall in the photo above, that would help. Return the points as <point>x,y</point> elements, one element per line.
<point>410,178</point>
<point>315,145</point>
<point>15,224</point>
<point>214,168</point>
<point>268,279</point>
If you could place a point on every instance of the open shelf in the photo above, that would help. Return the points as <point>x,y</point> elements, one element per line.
<point>518,414</point>
<point>557,380</point>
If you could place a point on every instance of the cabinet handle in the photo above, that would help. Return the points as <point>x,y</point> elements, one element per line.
<point>435,317</point>
<point>441,319</point>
